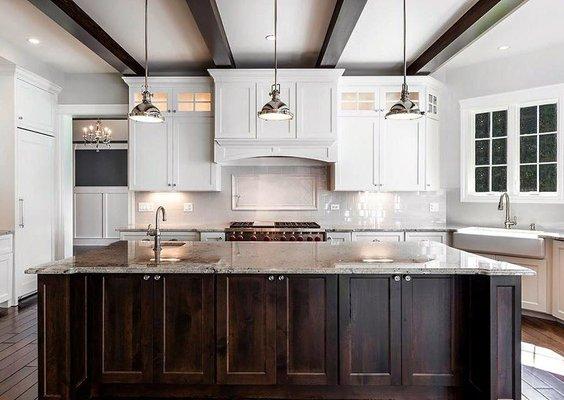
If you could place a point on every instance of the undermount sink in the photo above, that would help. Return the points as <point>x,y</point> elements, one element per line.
<point>513,242</point>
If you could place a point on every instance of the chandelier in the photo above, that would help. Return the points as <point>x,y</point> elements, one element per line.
<point>97,136</point>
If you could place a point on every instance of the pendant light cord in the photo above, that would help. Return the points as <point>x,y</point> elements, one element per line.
<point>275,43</point>
<point>146,52</point>
<point>404,40</point>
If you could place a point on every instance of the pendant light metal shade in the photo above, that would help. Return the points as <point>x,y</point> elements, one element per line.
<point>405,108</point>
<point>146,111</point>
<point>275,109</point>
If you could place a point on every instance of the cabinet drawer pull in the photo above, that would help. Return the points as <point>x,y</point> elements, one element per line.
<point>397,278</point>
<point>21,213</point>
<point>376,240</point>
<point>271,278</point>
<point>146,277</point>
<point>157,277</point>
<point>408,278</point>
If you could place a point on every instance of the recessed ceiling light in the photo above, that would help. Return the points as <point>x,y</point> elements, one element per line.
<point>34,40</point>
<point>270,37</point>
<point>504,47</point>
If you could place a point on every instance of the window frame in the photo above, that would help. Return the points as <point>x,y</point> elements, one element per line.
<point>512,102</point>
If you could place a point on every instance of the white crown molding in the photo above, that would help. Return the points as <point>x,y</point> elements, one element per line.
<point>37,80</point>
<point>92,109</point>
<point>285,73</point>
<point>390,80</point>
<point>134,80</point>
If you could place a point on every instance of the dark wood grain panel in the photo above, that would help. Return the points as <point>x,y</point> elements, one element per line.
<point>184,329</point>
<point>370,330</point>
<point>307,323</point>
<point>126,328</point>
<point>431,317</point>
<point>246,329</point>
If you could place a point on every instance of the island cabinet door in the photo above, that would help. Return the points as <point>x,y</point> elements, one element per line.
<point>432,311</point>
<point>184,340</point>
<point>246,329</point>
<point>370,330</point>
<point>307,330</point>
<point>123,322</point>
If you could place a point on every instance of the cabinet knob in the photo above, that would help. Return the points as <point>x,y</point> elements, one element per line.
<point>157,277</point>
<point>174,185</point>
<point>281,278</point>
<point>169,184</point>
<point>407,278</point>
<point>173,111</point>
<point>20,118</point>
<point>271,278</point>
<point>168,111</point>
<point>376,240</point>
<point>146,277</point>
<point>397,278</point>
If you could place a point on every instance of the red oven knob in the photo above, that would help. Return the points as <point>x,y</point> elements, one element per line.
<point>240,237</point>
<point>317,239</point>
<point>292,238</point>
<point>266,238</point>
<point>309,239</point>
<point>300,238</point>
<point>232,237</point>
<point>253,238</point>
<point>283,238</point>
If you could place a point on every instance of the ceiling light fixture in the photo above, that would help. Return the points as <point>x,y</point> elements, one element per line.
<point>404,109</point>
<point>34,41</point>
<point>504,47</point>
<point>146,111</point>
<point>275,109</point>
<point>96,135</point>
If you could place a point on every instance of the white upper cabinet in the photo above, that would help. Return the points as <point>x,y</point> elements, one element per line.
<point>432,154</point>
<point>150,147</point>
<point>316,115</point>
<point>161,97</point>
<point>276,129</point>
<point>236,110</point>
<point>192,151</point>
<point>35,107</point>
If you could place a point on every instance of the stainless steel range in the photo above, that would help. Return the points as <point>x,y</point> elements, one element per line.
<point>275,231</point>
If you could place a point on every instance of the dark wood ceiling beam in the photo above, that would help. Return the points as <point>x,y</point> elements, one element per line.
<point>482,16</point>
<point>73,19</point>
<point>344,19</point>
<point>206,15</point>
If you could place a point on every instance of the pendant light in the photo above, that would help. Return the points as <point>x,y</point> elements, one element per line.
<point>275,109</point>
<point>146,111</point>
<point>404,109</point>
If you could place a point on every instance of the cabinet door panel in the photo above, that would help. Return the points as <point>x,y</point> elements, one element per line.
<point>125,320</point>
<point>307,330</point>
<point>35,108</point>
<point>432,154</point>
<point>277,129</point>
<point>246,330</point>
<point>149,156</point>
<point>558,280</point>
<point>193,166</point>
<point>431,316</point>
<point>88,215</point>
<point>116,209</point>
<point>184,329</point>
<point>6,266</point>
<point>370,330</point>
<point>377,237</point>
<point>317,117</point>
<point>235,110</point>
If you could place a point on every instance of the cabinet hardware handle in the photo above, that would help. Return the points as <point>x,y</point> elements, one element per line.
<point>20,117</point>
<point>173,111</point>
<point>376,240</point>
<point>397,278</point>
<point>408,278</point>
<point>21,213</point>
<point>271,278</point>
<point>169,184</point>
<point>168,111</point>
<point>174,185</point>
<point>281,278</point>
<point>146,277</point>
<point>329,238</point>
<point>157,277</point>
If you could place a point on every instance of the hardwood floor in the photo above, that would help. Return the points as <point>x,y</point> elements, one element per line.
<point>543,355</point>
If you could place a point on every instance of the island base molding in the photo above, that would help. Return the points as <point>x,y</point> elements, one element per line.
<point>425,337</point>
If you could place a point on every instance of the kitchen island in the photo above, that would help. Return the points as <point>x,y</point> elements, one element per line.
<point>280,320</point>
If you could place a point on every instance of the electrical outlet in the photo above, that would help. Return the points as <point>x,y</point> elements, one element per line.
<point>434,207</point>
<point>188,207</point>
<point>146,207</point>
<point>335,207</point>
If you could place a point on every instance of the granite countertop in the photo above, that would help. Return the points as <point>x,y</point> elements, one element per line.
<point>6,232</point>
<point>281,258</point>
<point>193,228</point>
<point>328,228</point>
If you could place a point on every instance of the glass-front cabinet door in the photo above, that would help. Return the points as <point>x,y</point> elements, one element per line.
<point>162,97</point>
<point>359,100</point>
<point>193,100</point>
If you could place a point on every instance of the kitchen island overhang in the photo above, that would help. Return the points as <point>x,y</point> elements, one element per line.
<point>276,320</point>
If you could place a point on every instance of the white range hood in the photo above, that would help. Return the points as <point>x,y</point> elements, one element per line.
<point>311,95</point>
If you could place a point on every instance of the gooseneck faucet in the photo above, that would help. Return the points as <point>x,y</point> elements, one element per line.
<point>157,232</point>
<point>508,221</point>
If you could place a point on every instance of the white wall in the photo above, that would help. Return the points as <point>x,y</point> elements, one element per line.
<point>514,72</point>
<point>93,89</point>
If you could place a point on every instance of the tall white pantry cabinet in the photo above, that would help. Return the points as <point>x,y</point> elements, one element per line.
<point>27,182</point>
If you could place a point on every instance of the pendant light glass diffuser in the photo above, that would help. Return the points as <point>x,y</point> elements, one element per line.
<point>146,111</point>
<point>275,109</point>
<point>404,109</point>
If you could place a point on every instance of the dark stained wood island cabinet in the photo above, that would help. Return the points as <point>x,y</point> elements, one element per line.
<point>279,335</point>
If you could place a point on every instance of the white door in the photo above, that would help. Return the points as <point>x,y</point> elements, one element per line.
<point>355,169</point>
<point>277,129</point>
<point>6,265</point>
<point>316,114</point>
<point>193,166</point>
<point>534,289</point>
<point>150,146</point>
<point>377,237</point>
<point>35,108</point>
<point>115,212</point>
<point>401,155</point>
<point>558,280</point>
<point>34,213</point>
<point>88,212</point>
<point>236,110</point>
<point>432,154</point>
